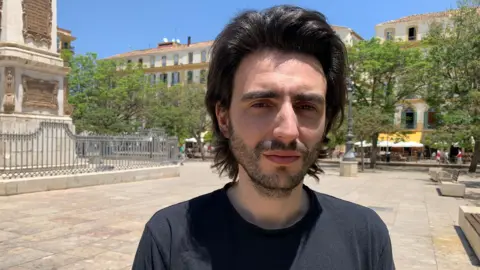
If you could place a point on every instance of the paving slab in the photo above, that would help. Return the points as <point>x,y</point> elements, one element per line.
<point>99,227</point>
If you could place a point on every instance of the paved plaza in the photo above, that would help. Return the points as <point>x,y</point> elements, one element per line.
<point>99,227</point>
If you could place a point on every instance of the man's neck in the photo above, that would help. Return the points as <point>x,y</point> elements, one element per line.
<point>266,211</point>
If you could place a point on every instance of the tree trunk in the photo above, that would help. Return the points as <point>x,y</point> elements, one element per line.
<point>200,146</point>
<point>362,151</point>
<point>475,157</point>
<point>373,154</point>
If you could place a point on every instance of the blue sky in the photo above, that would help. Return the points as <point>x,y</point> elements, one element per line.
<point>108,27</point>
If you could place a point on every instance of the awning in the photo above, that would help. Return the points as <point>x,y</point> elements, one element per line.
<point>408,145</point>
<point>365,144</point>
<point>409,137</point>
<point>385,143</point>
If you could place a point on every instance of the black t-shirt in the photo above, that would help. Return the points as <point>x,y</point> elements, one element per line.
<point>208,233</point>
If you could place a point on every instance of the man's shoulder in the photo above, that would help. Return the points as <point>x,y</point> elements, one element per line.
<point>179,214</point>
<point>349,213</point>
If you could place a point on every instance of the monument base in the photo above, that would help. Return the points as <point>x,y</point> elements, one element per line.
<point>348,168</point>
<point>35,141</point>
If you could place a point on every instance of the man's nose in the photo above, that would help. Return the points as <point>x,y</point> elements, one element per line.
<point>286,124</point>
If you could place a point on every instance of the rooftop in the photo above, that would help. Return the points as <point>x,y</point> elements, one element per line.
<point>338,27</point>
<point>66,33</point>
<point>420,17</point>
<point>163,47</point>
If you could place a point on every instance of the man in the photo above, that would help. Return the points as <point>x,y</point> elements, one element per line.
<point>276,85</point>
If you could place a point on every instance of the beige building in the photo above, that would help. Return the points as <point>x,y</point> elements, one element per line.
<point>348,36</point>
<point>413,114</point>
<point>64,39</point>
<point>172,62</point>
<point>410,28</point>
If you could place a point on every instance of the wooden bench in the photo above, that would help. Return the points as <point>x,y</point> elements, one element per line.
<point>474,220</point>
<point>469,222</point>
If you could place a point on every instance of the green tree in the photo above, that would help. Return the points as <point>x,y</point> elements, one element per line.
<point>453,73</point>
<point>108,96</point>
<point>368,122</point>
<point>384,74</point>
<point>181,111</point>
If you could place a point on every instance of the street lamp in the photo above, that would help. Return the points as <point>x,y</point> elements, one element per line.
<point>349,154</point>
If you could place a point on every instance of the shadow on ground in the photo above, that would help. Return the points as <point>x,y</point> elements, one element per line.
<point>471,184</point>
<point>468,249</point>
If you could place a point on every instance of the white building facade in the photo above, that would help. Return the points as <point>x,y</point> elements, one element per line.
<point>348,36</point>
<point>173,63</point>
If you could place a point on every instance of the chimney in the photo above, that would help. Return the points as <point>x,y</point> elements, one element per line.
<point>189,40</point>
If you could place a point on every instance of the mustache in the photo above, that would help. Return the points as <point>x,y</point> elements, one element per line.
<point>271,145</point>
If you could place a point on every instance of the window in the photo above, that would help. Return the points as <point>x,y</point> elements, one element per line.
<point>189,76</point>
<point>66,45</point>
<point>164,61</point>
<point>175,59</point>
<point>430,119</point>
<point>203,76</point>
<point>140,61</point>
<point>152,79</point>
<point>129,61</point>
<point>389,36</point>
<point>190,57</point>
<point>409,118</point>
<point>163,78</point>
<point>412,33</point>
<point>204,56</point>
<point>175,78</point>
<point>152,61</point>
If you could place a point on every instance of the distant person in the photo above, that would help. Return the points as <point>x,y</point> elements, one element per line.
<point>276,86</point>
<point>459,157</point>
<point>182,154</point>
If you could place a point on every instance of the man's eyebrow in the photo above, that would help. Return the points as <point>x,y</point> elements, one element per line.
<point>259,95</point>
<point>304,97</point>
<point>315,98</point>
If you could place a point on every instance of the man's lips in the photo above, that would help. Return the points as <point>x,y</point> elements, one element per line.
<point>282,157</point>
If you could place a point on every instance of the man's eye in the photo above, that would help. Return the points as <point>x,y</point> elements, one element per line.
<point>306,107</point>
<point>260,105</point>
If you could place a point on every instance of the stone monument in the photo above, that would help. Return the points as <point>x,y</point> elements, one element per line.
<point>32,74</point>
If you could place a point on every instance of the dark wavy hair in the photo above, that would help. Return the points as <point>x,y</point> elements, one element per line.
<point>283,28</point>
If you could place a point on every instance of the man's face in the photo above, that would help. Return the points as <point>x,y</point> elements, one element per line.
<point>276,120</point>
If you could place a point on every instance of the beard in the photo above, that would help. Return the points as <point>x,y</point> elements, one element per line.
<point>281,182</point>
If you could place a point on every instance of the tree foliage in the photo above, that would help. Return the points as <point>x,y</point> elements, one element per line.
<point>182,111</point>
<point>108,96</point>
<point>453,74</point>
<point>383,74</point>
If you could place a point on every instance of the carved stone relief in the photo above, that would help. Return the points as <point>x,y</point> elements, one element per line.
<point>39,93</point>
<point>37,20</point>
<point>9,96</point>
<point>67,107</point>
<point>1,12</point>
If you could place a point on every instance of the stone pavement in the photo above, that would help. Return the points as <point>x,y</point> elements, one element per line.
<point>99,227</point>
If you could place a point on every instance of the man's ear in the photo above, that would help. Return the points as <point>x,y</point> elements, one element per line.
<point>222,119</point>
